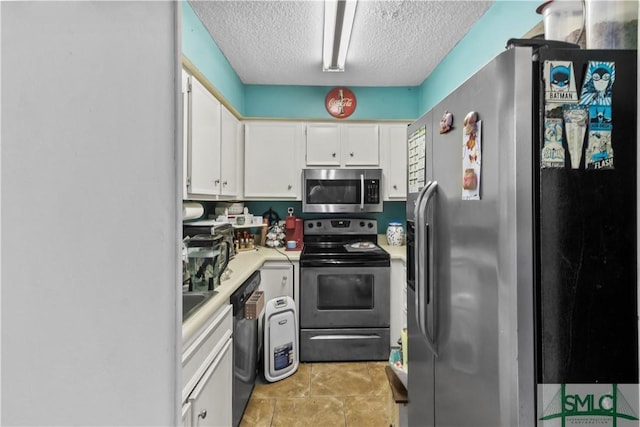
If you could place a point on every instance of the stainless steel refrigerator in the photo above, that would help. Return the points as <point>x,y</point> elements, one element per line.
<point>521,275</point>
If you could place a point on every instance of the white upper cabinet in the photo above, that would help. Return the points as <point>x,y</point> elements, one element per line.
<point>212,145</point>
<point>273,159</point>
<point>204,142</point>
<point>360,145</point>
<point>230,143</point>
<point>185,132</point>
<point>323,144</point>
<point>393,146</point>
<point>342,144</point>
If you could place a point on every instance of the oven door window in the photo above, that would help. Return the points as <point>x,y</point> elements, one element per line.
<point>342,191</point>
<point>345,292</point>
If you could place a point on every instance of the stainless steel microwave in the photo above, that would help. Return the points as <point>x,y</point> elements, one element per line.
<point>342,190</point>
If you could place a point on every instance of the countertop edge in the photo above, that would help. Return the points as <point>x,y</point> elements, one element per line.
<point>242,266</point>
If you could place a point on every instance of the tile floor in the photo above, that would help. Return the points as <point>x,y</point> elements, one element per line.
<point>345,394</point>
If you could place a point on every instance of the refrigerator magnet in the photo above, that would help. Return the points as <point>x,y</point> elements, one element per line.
<point>598,82</point>
<point>446,122</point>
<point>560,84</point>
<point>552,155</point>
<point>599,154</point>
<point>575,128</point>
<point>599,149</point>
<point>471,157</point>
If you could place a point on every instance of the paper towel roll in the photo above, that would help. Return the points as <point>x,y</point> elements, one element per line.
<point>192,210</point>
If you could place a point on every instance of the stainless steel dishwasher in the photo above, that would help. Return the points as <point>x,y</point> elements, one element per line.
<point>245,348</point>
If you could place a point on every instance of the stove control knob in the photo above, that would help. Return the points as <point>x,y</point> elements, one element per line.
<point>310,225</point>
<point>361,223</point>
<point>370,225</point>
<point>318,224</point>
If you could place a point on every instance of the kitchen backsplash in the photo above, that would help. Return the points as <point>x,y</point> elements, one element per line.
<point>392,211</point>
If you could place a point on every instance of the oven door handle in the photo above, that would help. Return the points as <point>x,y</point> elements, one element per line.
<point>361,191</point>
<point>346,337</point>
<point>424,265</point>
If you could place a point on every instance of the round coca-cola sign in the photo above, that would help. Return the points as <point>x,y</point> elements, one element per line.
<point>340,102</point>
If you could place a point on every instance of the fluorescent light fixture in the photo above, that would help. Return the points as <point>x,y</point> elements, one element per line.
<point>338,22</point>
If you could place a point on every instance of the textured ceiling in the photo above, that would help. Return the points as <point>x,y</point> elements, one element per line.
<point>394,43</point>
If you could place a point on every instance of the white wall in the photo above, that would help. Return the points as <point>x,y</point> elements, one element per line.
<point>89,202</point>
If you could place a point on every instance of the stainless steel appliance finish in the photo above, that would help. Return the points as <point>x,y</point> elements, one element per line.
<point>245,348</point>
<point>344,292</point>
<point>342,190</point>
<point>501,302</point>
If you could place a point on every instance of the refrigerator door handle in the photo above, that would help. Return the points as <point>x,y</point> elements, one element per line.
<point>423,283</point>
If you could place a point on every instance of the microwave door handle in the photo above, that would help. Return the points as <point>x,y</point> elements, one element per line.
<point>361,191</point>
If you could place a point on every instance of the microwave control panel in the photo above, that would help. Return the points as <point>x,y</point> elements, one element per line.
<point>372,191</point>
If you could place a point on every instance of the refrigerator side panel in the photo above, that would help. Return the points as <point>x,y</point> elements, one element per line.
<point>420,382</point>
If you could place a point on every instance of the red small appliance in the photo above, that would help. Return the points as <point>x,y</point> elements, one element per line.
<point>293,228</point>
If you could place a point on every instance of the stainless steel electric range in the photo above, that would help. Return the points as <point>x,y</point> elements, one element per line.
<point>344,292</point>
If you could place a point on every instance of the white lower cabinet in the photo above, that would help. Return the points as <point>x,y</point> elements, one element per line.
<point>210,401</point>
<point>398,309</point>
<point>186,415</point>
<point>207,373</point>
<point>276,280</point>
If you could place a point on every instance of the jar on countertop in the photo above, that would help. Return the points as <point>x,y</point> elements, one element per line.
<point>395,234</point>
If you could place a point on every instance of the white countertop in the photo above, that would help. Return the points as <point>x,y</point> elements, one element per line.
<point>242,266</point>
<point>396,252</point>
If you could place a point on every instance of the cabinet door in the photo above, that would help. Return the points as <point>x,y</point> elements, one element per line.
<point>323,144</point>
<point>272,159</point>
<point>204,147</point>
<point>393,145</point>
<point>211,399</point>
<point>229,141</point>
<point>187,415</point>
<point>360,145</point>
<point>185,133</point>
<point>276,279</point>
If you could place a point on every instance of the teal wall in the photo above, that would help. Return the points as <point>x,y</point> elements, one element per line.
<point>202,51</point>
<point>373,103</point>
<point>505,19</point>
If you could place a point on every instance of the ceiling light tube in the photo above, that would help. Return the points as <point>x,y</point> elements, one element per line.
<point>338,23</point>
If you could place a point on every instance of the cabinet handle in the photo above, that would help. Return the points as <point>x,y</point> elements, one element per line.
<point>333,154</point>
<point>395,187</point>
<point>217,181</point>
<point>289,187</point>
<point>203,414</point>
<point>224,183</point>
<point>351,154</point>
<point>284,280</point>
